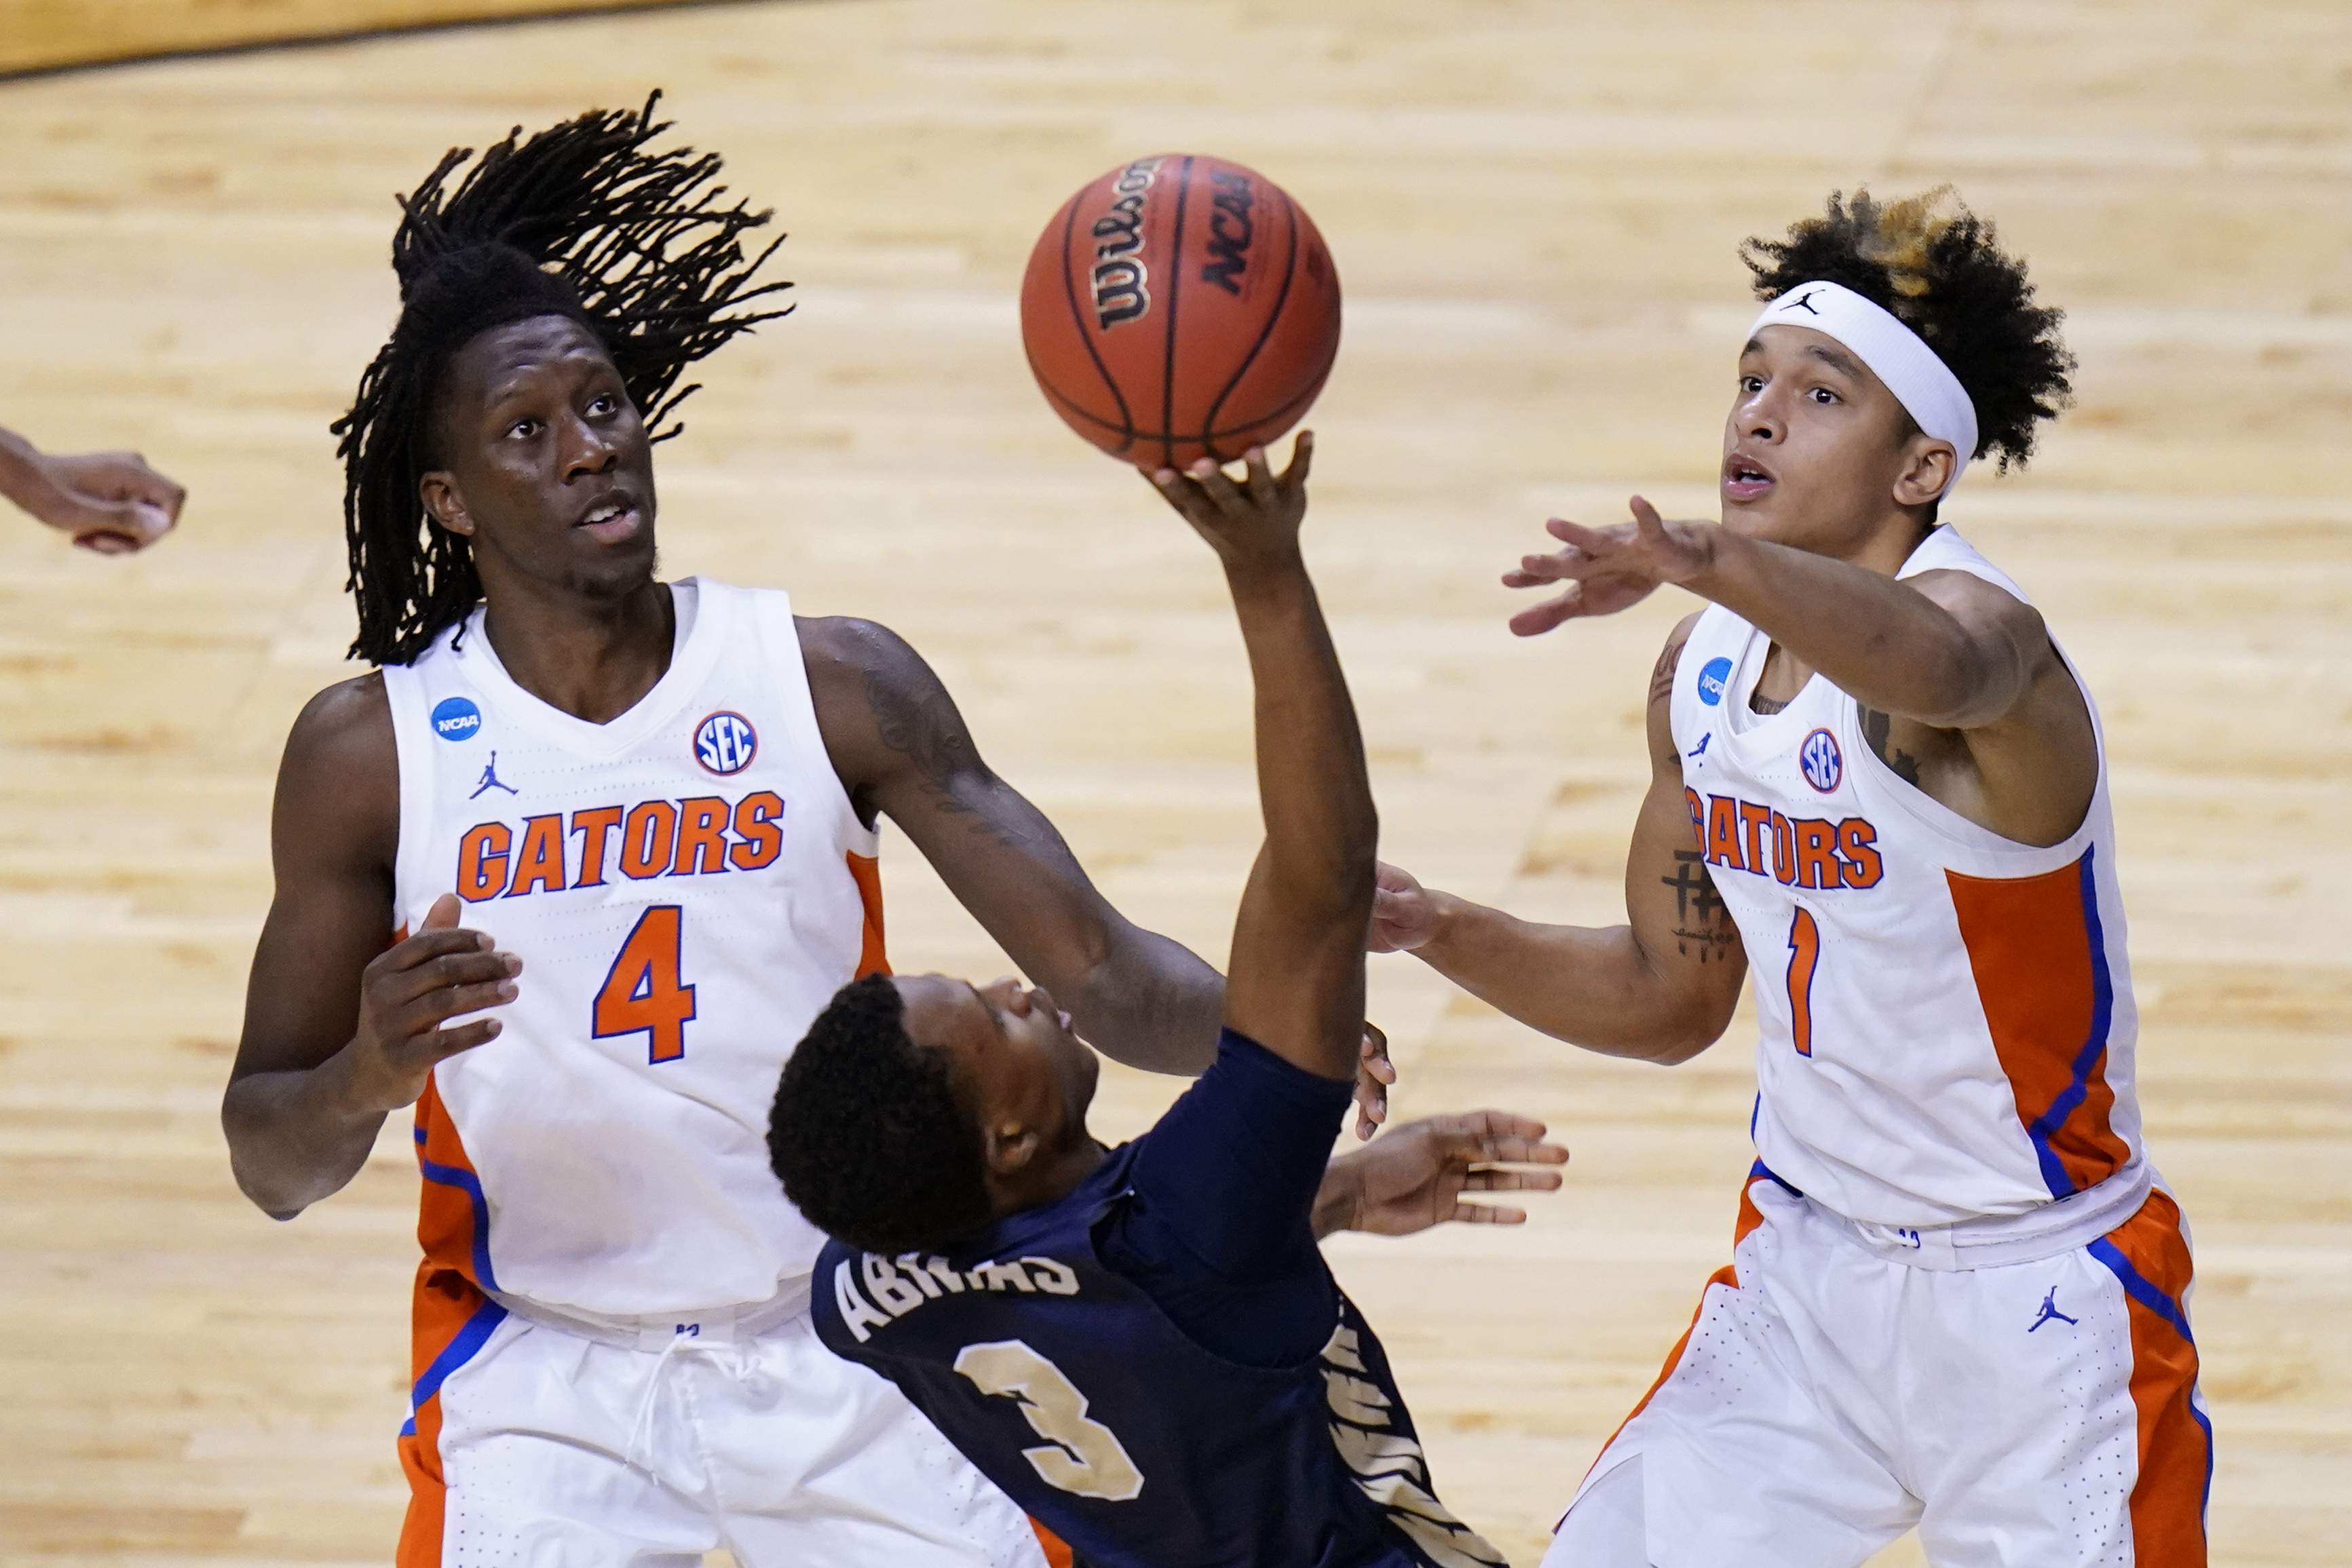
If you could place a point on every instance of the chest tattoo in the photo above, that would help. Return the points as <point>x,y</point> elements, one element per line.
<point>1878,728</point>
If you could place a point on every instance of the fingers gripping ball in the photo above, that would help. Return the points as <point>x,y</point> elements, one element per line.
<point>1178,308</point>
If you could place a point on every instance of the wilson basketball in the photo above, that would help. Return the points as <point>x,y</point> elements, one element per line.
<point>1181,307</point>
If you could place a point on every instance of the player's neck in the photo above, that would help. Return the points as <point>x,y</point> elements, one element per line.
<point>1048,1181</point>
<point>1886,544</point>
<point>593,659</point>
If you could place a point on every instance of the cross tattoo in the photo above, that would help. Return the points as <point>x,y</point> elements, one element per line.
<point>1692,889</point>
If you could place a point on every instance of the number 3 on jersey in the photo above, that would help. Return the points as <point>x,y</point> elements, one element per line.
<point>645,992</point>
<point>1090,1460</point>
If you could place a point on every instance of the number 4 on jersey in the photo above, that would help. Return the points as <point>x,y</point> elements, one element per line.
<point>645,992</point>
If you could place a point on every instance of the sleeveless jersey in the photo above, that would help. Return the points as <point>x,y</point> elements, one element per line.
<point>687,887</point>
<point>1947,1018</point>
<point>1066,1385</point>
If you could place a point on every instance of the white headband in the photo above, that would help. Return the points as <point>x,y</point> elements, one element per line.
<point>1897,355</point>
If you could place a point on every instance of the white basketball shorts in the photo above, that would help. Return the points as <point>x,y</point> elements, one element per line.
<point>558,1450</point>
<point>1828,1397</point>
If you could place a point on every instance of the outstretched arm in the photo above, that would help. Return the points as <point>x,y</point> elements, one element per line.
<point>112,502</point>
<point>1661,987</point>
<point>1946,648</point>
<point>1295,980</point>
<point>1943,661</point>
<point>902,749</point>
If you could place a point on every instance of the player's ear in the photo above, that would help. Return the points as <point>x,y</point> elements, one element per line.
<point>1926,469</point>
<point>438,491</point>
<point>1007,1147</point>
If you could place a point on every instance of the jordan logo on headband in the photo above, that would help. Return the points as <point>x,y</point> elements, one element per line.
<point>1897,355</point>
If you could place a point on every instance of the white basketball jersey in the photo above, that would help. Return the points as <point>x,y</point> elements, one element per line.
<point>1947,1015</point>
<point>687,887</point>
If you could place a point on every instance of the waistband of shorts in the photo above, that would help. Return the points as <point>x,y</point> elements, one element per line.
<point>659,1331</point>
<point>1993,1241</point>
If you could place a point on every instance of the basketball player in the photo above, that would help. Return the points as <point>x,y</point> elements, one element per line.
<point>110,502</point>
<point>1957,1288</point>
<point>653,806</point>
<point>1143,1345</point>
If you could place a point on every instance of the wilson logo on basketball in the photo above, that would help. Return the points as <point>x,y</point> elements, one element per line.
<point>1229,230</point>
<point>1120,280</point>
<point>1231,295</point>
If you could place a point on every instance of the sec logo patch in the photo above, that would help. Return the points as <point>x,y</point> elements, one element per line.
<point>1823,763</point>
<point>457,718</point>
<point>1711,679</point>
<point>725,742</point>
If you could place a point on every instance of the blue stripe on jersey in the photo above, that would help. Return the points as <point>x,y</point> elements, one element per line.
<point>2140,1288</point>
<point>2102,1009</point>
<point>462,1348</point>
<point>469,1183</point>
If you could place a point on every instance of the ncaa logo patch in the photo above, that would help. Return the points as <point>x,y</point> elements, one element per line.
<point>725,742</point>
<point>1711,680</point>
<point>1823,763</point>
<point>457,718</point>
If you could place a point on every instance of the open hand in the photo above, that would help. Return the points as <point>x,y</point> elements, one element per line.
<point>1609,569</point>
<point>1415,1178</point>
<point>112,502</point>
<point>410,990</point>
<point>1253,520</point>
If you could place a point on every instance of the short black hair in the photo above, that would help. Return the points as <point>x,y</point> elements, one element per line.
<point>1943,275</point>
<point>867,1135</point>
<point>580,222</point>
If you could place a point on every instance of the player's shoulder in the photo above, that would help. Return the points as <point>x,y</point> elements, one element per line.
<point>853,642</point>
<point>1670,657</point>
<point>863,668</point>
<point>339,781</point>
<point>348,723</point>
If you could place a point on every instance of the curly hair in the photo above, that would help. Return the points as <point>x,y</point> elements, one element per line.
<point>1943,275</point>
<point>866,1133</point>
<point>579,221</point>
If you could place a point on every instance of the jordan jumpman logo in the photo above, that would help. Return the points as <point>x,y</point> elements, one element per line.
<point>490,780</point>
<point>2049,1311</point>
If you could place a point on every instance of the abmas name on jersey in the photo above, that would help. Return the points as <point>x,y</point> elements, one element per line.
<point>899,1290</point>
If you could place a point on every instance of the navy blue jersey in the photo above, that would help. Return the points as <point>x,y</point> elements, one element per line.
<point>1070,1388</point>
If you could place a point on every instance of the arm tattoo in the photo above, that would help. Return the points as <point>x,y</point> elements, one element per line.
<point>918,719</point>
<point>1876,728</point>
<point>1661,677</point>
<point>1700,914</point>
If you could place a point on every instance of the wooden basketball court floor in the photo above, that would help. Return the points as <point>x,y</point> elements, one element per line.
<point>1535,209</point>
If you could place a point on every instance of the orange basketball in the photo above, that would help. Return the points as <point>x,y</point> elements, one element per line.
<point>1180,306</point>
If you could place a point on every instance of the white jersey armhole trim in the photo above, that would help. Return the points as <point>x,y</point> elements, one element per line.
<point>780,633</point>
<point>411,731</point>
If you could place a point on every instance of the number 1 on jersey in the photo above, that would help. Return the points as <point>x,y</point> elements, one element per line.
<point>645,992</point>
<point>1804,955</point>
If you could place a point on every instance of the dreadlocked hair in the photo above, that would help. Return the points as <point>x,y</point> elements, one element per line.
<point>1941,274</point>
<point>579,221</point>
